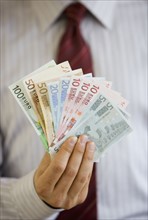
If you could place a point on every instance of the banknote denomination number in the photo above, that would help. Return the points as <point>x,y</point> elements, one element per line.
<point>65,84</point>
<point>54,89</point>
<point>30,84</point>
<point>20,95</point>
<point>76,82</point>
<point>102,98</point>
<point>42,87</point>
<point>18,92</point>
<point>85,86</point>
<point>109,106</point>
<point>94,89</point>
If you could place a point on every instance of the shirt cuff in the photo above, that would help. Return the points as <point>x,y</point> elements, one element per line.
<point>27,201</point>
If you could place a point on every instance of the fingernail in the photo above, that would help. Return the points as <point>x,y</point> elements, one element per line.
<point>83,138</point>
<point>73,140</point>
<point>91,146</point>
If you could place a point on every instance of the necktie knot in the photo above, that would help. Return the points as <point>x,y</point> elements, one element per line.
<point>75,12</point>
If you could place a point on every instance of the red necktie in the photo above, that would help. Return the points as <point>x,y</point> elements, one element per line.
<point>72,46</point>
<point>74,49</point>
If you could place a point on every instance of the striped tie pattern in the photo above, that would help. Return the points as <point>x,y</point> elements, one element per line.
<point>74,49</point>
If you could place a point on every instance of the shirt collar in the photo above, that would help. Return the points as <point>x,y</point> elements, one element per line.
<point>48,11</point>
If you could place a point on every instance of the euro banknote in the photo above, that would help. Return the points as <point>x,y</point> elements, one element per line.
<point>61,102</point>
<point>21,95</point>
<point>105,125</point>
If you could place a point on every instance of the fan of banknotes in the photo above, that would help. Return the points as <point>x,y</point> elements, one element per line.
<point>61,102</point>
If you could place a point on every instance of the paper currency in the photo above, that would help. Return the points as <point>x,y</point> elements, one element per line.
<point>42,92</point>
<point>19,92</point>
<point>72,93</point>
<point>61,102</point>
<point>80,110</point>
<point>53,93</point>
<point>63,88</point>
<point>69,104</point>
<point>105,126</point>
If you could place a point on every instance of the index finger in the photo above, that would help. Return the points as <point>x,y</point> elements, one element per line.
<point>58,165</point>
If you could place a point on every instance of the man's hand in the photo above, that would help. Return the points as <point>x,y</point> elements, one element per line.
<point>63,182</point>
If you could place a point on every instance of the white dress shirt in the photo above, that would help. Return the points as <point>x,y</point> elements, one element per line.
<point>117,34</point>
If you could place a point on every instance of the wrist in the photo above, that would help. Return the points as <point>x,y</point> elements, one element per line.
<point>52,207</point>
